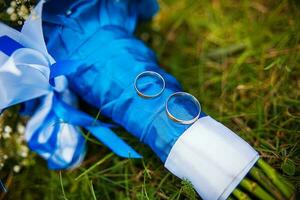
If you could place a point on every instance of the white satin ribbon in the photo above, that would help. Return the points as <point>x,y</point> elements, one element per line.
<point>25,76</point>
<point>212,157</point>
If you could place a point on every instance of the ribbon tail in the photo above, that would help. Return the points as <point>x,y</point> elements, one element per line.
<point>113,142</point>
<point>60,144</point>
<point>100,130</point>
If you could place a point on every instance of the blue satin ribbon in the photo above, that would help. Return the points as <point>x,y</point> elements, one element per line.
<point>8,45</point>
<point>110,58</point>
<point>67,114</point>
<point>100,130</point>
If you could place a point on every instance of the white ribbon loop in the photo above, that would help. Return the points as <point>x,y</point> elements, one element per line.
<point>23,76</point>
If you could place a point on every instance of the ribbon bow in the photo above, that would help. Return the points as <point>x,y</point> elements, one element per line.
<point>28,72</point>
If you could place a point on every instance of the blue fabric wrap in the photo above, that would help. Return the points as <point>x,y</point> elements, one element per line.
<point>99,34</point>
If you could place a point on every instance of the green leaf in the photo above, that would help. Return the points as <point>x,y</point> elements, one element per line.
<point>288,167</point>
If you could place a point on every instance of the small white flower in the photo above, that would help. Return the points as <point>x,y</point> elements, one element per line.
<point>10,10</point>
<point>13,17</point>
<point>13,4</point>
<point>6,135</point>
<point>7,129</point>
<point>5,157</point>
<point>21,128</point>
<point>24,9</point>
<point>17,168</point>
<point>24,154</point>
<point>24,151</point>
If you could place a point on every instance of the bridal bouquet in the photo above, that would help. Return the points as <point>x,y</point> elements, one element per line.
<point>87,50</point>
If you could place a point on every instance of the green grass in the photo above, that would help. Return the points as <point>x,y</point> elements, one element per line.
<point>241,59</point>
